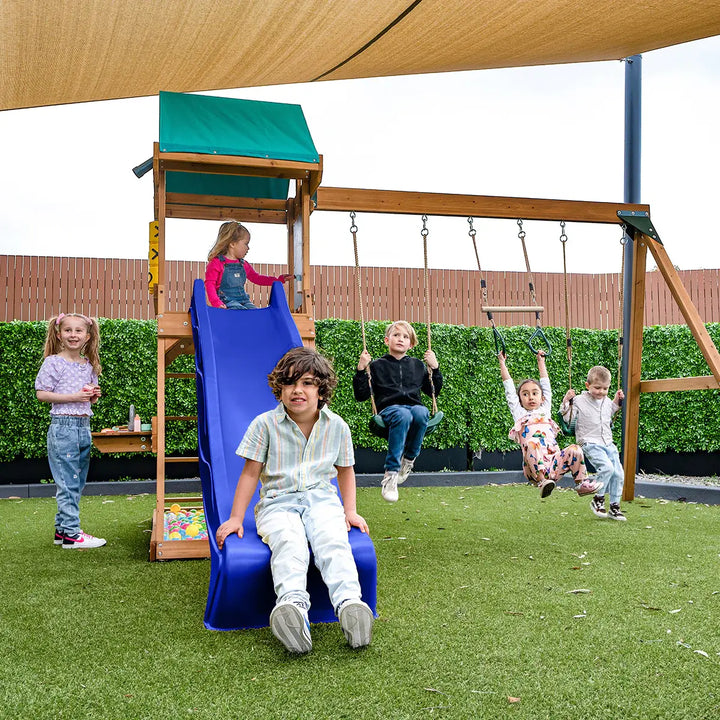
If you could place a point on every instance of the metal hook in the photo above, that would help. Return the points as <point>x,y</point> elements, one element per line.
<point>624,238</point>
<point>471,232</point>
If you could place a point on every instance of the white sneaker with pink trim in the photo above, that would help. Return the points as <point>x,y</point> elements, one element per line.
<point>587,487</point>
<point>82,541</point>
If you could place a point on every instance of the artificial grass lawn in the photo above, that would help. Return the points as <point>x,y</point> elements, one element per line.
<point>476,609</point>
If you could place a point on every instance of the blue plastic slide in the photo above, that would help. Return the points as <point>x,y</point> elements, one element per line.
<point>235,351</point>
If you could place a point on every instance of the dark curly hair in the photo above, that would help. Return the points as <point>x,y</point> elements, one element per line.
<point>298,361</point>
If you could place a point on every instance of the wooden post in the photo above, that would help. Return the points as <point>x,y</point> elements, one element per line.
<point>686,305</point>
<point>632,401</point>
<point>292,268</point>
<point>159,515</point>
<point>305,209</point>
<point>301,240</point>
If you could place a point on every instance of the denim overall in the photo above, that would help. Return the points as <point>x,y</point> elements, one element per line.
<point>232,286</point>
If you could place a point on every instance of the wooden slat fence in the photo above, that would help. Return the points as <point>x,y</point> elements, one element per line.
<point>36,288</point>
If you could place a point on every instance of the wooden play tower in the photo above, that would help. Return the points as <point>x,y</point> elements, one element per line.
<point>225,159</point>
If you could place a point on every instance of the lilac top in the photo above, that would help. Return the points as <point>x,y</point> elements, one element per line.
<point>59,375</point>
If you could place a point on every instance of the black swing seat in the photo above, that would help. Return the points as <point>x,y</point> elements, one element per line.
<point>379,429</point>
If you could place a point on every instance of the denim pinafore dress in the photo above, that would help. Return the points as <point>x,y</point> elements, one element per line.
<point>232,285</point>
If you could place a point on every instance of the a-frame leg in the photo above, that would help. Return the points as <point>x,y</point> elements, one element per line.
<point>686,305</point>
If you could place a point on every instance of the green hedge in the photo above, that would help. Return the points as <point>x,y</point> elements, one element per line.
<point>128,354</point>
<point>472,398</point>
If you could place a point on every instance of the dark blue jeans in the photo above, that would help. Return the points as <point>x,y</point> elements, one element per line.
<point>68,445</point>
<point>406,426</point>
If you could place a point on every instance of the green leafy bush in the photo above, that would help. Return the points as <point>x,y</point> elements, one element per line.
<point>472,398</point>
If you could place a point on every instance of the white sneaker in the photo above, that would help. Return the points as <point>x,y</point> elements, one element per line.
<point>406,467</point>
<point>389,486</point>
<point>81,541</point>
<point>290,625</point>
<point>356,620</point>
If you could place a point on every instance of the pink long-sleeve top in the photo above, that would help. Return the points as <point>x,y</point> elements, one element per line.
<point>214,273</point>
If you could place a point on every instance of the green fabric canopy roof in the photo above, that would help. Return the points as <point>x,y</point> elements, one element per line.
<point>226,126</point>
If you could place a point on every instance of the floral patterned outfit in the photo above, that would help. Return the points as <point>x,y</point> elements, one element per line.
<point>536,433</point>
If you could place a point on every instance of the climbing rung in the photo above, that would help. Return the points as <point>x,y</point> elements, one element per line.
<point>176,459</point>
<point>511,308</point>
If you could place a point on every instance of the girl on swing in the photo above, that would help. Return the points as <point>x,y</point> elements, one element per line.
<point>544,463</point>
<point>396,384</point>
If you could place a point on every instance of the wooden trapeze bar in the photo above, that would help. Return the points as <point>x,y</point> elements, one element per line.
<point>511,308</point>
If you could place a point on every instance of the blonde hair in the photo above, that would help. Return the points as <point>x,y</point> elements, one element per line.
<point>53,344</point>
<point>599,374</point>
<point>407,327</point>
<point>228,233</point>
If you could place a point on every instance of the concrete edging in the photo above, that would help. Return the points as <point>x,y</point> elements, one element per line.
<point>682,492</point>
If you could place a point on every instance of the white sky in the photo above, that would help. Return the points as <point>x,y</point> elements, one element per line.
<point>549,132</point>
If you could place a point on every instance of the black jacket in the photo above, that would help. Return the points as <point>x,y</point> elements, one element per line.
<point>396,382</point>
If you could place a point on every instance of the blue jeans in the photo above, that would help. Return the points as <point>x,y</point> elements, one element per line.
<point>610,474</point>
<point>406,426</point>
<point>68,446</point>
<point>287,523</point>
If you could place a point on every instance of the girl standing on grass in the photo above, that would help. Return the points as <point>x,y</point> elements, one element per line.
<point>68,380</point>
<point>227,271</point>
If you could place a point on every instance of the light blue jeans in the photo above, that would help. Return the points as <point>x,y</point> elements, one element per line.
<point>610,474</point>
<point>68,446</point>
<point>406,426</point>
<point>287,524</point>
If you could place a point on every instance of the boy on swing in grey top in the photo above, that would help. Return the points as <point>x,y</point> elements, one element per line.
<point>592,412</point>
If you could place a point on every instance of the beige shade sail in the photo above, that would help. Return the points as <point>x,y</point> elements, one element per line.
<point>66,51</point>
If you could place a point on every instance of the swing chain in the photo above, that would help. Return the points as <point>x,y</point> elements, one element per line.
<point>624,239</point>
<point>472,232</point>
<point>353,226</point>
<point>521,234</point>
<point>568,337</point>
<point>424,232</point>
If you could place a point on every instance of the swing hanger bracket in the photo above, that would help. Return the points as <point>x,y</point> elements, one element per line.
<point>639,220</point>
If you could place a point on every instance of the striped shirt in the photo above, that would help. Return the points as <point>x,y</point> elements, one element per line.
<point>292,463</point>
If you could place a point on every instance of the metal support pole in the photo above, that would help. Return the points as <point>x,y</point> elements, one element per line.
<point>633,136</point>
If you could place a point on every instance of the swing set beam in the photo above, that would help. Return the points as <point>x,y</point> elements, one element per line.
<point>636,219</point>
<point>402,202</point>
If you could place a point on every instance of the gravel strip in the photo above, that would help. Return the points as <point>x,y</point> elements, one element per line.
<point>712,480</point>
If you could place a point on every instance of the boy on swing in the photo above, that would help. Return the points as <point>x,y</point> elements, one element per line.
<point>591,413</point>
<point>396,384</point>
